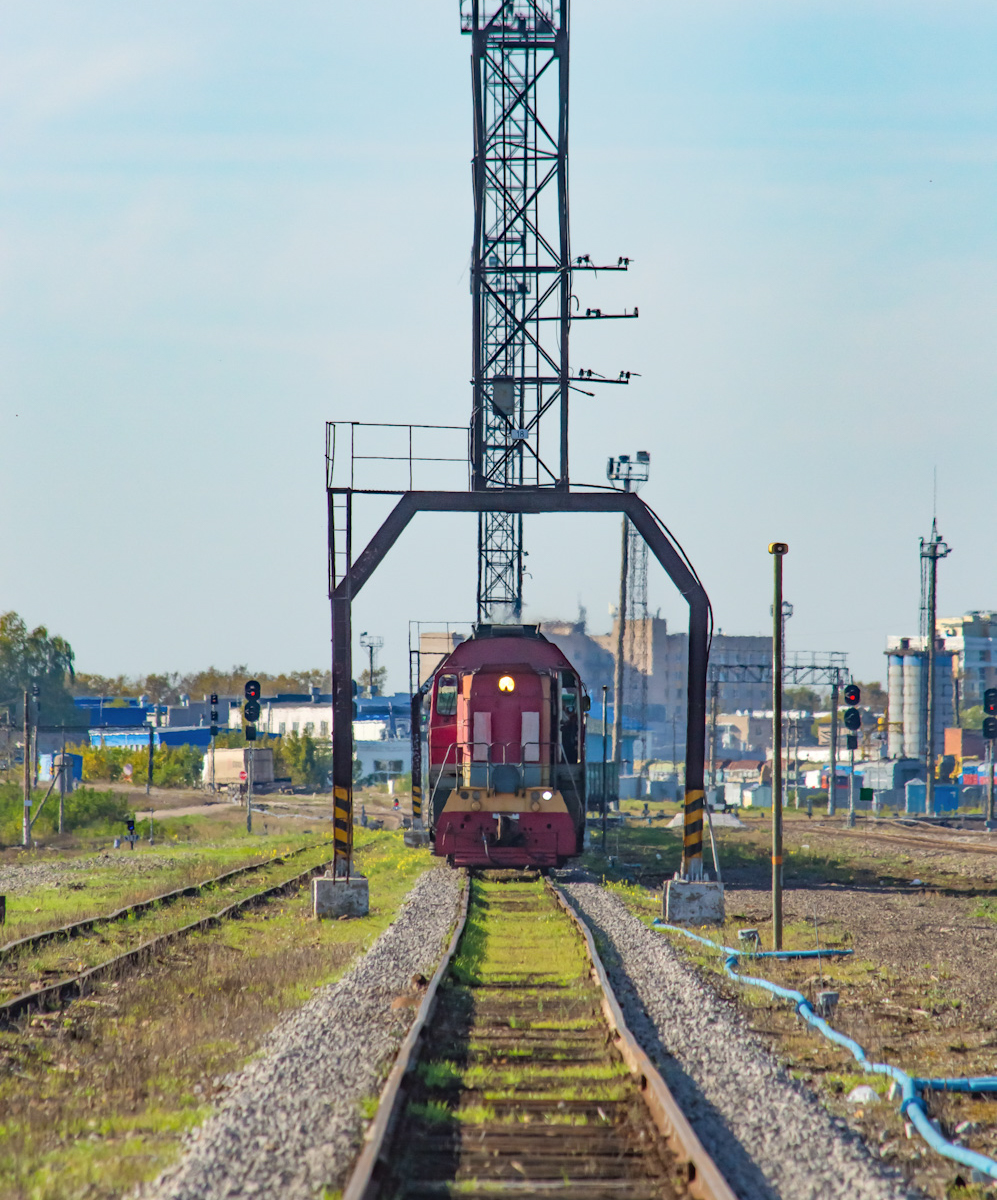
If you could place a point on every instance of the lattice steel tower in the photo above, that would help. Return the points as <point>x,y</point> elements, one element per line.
<point>521,273</point>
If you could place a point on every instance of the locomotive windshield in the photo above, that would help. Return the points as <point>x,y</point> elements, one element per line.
<point>446,696</point>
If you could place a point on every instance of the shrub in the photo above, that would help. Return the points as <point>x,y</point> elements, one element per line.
<point>85,808</point>
<point>172,766</point>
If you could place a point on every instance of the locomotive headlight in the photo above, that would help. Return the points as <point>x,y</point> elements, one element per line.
<point>548,795</point>
<point>507,684</point>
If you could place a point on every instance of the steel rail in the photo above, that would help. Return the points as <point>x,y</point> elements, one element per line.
<point>74,986</point>
<point>370,1165</point>
<point>702,1176</point>
<point>79,928</point>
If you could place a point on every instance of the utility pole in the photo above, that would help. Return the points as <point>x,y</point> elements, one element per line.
<point>931,551</point>
<point>36,694</point>
<point>371,643</point>
<point>714,705</point>
<point>148,773</point>
<point>605,693</point>
<point>26,831</point>
<point>62,784</point>
<point>777,550</point>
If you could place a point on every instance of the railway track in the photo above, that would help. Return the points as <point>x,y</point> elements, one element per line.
<point>87,926</point>
<point>914,840</point>
<point>519,1076</point>
<point>75,984</point>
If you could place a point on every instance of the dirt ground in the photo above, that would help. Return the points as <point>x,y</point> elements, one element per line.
<point>920,990</point>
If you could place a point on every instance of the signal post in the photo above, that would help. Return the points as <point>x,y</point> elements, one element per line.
<point>251,713</point>
<point>990,732</point>
<point>853,722</point>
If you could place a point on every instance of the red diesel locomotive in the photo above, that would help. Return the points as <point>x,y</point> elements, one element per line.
<point>507,752</point>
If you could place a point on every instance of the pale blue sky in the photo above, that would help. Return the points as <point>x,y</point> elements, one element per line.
<point>222,224</point>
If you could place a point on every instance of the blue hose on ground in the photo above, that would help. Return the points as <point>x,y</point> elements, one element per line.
<point>912,1104</point>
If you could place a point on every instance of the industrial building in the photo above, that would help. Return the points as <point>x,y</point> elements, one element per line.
<point>972,641</point>
<point>659,661</point>
<point>907,716</point>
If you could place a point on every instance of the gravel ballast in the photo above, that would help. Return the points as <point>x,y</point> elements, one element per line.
<point>769,1136</point>
<point>291,1124</point>
<point>16,878</point>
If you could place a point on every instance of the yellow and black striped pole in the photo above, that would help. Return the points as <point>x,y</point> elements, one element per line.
<point>692,835</point>
<point>777,550</point>
<point>416,734</point>
<point>342,832</point>
<point>342,737</point>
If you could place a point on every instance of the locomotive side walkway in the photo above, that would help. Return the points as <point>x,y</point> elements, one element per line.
<point>292,1119</point>
<point>770,1138</point>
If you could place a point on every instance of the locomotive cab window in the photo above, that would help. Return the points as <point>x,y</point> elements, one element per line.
<point>569,716</point>
<point>446,696</point>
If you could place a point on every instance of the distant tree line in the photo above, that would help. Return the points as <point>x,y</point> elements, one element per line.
<point>169,686</point>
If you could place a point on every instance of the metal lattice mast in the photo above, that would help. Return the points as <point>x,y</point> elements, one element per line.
<point>639,634</point>
<point>520,270</point>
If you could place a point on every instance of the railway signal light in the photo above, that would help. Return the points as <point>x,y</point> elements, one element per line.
<point>990,728</point>
<point>990,702</point>
<point>130,825</point>
<point>853,695</point>
<point>851,741</point>
<point>852,719</point>
<point>251,709</point>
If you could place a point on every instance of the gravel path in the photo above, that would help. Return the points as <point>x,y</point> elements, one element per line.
<point>18,878</point>
<point>291,1124</point>
<point>769,1136</point>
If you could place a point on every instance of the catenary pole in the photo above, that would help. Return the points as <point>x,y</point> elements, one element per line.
<point>777,550</point>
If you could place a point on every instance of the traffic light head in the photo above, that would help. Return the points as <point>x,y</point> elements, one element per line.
<point>852,694</point>
<point>990,728</point>
<point>990,701</point>
<point>253,689</point>
<point>853,718</point>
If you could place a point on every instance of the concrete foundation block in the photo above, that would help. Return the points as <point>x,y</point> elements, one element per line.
<point>698,902</point>
<point>340,897</point>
